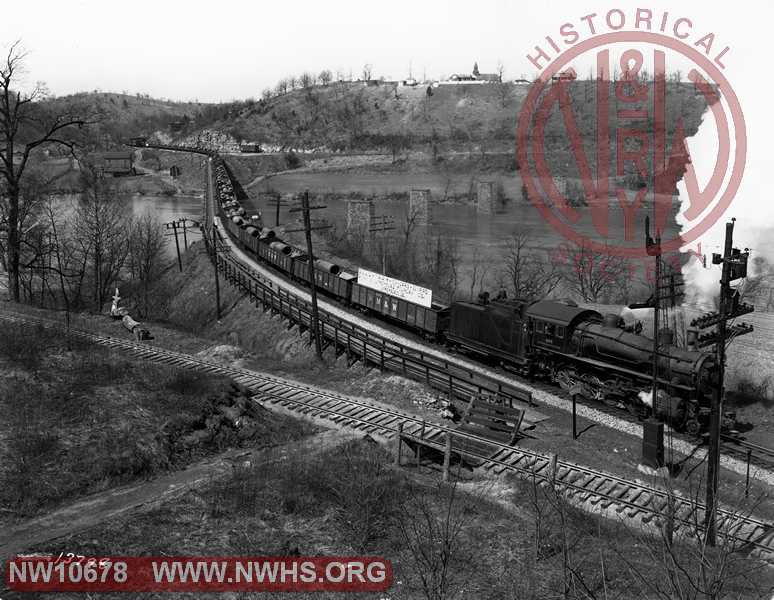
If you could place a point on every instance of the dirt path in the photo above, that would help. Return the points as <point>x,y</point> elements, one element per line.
<point>108,504</point>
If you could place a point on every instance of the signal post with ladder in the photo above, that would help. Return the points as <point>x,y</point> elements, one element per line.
<point>730,306</point>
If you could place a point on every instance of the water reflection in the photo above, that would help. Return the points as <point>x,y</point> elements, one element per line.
<point>164,208</point>
<point>460,221</point>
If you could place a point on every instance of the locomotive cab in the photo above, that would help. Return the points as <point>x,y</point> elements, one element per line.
<point>552,335</point>
<point>552,324</point>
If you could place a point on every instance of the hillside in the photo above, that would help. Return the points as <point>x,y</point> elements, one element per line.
<point>349,116</point>
<point>468,118</point>
<point>116,117</point>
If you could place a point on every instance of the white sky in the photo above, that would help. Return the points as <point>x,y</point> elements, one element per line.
<point>226,49</point>
<point>188,49</point>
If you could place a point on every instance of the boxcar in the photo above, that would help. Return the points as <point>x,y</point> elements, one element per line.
<point>431,321</point>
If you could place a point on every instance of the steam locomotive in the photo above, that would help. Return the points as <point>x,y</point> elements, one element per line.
<point>590,354</point>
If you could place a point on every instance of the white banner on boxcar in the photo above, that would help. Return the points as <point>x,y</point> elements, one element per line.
<point>395,287</point>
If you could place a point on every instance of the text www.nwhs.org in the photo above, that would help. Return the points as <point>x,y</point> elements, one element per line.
<point>201,574</point>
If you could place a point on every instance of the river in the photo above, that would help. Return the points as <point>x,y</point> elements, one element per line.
<point>164,208</point>
<point>488,233</point>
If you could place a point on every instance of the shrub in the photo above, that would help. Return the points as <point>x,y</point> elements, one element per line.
<point>352,482</point>
<point>292,161</point>
<point>365,492</point>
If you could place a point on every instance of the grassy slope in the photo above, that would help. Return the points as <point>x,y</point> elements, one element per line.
<point>84,419</point>
<point>454,117</point>
<point>128,114</point>
<point>336,114</point>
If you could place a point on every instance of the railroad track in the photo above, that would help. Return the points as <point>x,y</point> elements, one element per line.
<point>743,450</point>
<point>732,446</point>
<point>588,486</point>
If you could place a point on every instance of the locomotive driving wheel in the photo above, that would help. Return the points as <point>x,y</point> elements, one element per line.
<point>692,427</point>
<point>594,388</point>
<point>566,378</point>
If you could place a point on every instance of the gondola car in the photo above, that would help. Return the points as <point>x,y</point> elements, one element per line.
<point>431,322</point>
<point>277,253</point>
<point>326,274</point>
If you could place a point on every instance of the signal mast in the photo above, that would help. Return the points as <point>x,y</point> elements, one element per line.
<point>730,306</point>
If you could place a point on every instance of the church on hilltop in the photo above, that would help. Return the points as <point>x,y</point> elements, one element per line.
<point>475,77</point>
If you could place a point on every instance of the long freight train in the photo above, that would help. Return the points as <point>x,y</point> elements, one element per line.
<point>578,349</point>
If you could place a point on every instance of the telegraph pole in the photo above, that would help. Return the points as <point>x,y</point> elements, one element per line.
<point>734,266</point>
<point>653,248</point>
<point>215,264</point>
<point>315,320</point>
<point>382,224</point>
<point>180,224</point>
<point>278,202</point>
<point>174,225</point>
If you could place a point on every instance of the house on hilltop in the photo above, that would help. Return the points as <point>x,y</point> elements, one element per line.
<point>462,78</point>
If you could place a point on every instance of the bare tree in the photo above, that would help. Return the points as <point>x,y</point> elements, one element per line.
<point>504,93</point>
<point>33,187</point>
<point>367,71</point>
<point>411,221</point>
<point>146,250</point>
<point>594,276</point>
<point>58,245</point>
<point>479,269</point>
<point>325,77</point>
<point>686,568</point>
<point>437,556</point>
<point>441,264</point>
<point>398,142</point>
<point>102,222</point>
<point>25,124</point>
<point>530,277</point>
<point>306,80</point>
<point>555,534</point>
